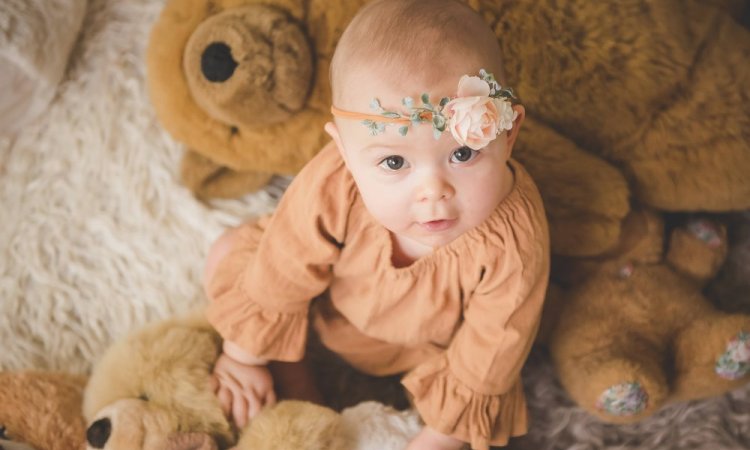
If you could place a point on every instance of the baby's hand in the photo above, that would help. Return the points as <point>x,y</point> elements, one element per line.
<point>243,389</point>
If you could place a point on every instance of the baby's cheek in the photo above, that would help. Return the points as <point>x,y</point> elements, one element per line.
<point>390,210</point>
<point>479,200</point>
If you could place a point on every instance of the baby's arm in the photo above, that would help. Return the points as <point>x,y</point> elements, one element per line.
<point>242,383</point>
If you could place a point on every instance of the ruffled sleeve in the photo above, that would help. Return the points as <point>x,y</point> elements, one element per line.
<point>262,291</point>
<point>473,391</point>
<point>451,407</point>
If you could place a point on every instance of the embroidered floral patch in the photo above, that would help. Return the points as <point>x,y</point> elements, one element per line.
<point>706,231</point>
<point>624,399</point>
<point>626,271</point>
<point>734,363</point>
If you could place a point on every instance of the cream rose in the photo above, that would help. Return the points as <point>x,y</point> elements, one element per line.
<point>475,118</point>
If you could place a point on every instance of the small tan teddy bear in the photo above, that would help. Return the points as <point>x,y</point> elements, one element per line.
<point>152,391</point>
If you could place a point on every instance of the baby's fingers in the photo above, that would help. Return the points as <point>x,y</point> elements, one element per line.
<point>270,398</point>
<point>253,404</point>
<point>225,400</point>
<point>239,408</point>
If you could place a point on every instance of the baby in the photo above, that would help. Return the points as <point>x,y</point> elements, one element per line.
<point>431,241</point>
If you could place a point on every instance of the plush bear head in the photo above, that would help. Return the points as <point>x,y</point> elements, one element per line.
<point>41,411</point>
<point>131,424</point>
<point>244,84</point>
<point>153,383</point>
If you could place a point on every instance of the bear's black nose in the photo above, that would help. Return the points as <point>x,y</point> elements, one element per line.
<point>217,63</point>
<point>98,433</point>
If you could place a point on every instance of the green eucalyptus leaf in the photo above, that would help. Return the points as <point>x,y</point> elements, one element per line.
<point>375,128</point>
<point>438,121</point>
<point>403,130</point>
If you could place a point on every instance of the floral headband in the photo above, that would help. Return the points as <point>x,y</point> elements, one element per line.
<point>479,112</point>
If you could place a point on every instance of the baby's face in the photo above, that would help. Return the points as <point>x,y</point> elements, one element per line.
<point>423,190</point>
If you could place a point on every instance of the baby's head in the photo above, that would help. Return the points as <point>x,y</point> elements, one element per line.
<point>438,170</point>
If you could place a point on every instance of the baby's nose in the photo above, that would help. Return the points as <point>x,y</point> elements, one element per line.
<point>435,187</point>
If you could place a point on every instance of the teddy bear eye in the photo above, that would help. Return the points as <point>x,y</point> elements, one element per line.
<point>143,397</point>
<point>4,433</point>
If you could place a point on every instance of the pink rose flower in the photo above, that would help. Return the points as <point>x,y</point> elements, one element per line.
<point>475,118</point>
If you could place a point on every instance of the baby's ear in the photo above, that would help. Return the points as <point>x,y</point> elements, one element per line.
<point>333,131</point>
<point>513,132</point>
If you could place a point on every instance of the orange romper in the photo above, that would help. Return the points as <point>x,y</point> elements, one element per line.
<point>460,321</point>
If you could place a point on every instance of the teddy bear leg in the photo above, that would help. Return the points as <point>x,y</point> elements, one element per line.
<point>617,376</point>
<point>712,356</point>
<point>209,180</point>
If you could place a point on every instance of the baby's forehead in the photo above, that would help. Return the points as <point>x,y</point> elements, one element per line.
<point>359,85</point>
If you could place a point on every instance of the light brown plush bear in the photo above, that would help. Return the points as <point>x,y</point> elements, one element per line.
<point>635,332</point>
<point>151,391</point>
<point>41,411</point>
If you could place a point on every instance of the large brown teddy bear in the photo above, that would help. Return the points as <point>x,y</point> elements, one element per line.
<point>244,84</point>
<point>626,99</point>
<point>635,102</point>
<point>41,411</point>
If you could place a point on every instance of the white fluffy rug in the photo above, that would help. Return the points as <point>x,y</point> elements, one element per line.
<point>97,237</point>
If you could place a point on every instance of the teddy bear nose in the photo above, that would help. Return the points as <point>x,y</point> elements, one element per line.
<point>98,433</point>
<point>217,63</point>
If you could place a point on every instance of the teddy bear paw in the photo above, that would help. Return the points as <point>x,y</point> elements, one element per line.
<point>624,399</point>
<point>734,363</point>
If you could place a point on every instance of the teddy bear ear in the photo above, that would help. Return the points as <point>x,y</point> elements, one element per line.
<point>191,441</point>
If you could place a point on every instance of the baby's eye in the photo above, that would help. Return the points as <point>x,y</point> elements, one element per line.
<point>463,154</point>
<point>393,163</point>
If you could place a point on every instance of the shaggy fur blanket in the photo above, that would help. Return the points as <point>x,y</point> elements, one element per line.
<point>97,237</point>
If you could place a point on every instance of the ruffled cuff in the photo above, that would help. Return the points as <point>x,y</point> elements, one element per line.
<point>267,334</point>
<point>450,407</point>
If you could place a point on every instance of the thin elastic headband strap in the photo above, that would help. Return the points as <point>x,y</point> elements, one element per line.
<point>374,117</point>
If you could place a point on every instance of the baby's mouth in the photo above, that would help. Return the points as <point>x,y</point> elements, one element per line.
<point>437,225</point>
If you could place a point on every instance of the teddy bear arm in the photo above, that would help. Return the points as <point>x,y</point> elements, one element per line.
<point>585,197</point>
<point>207,179</point>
